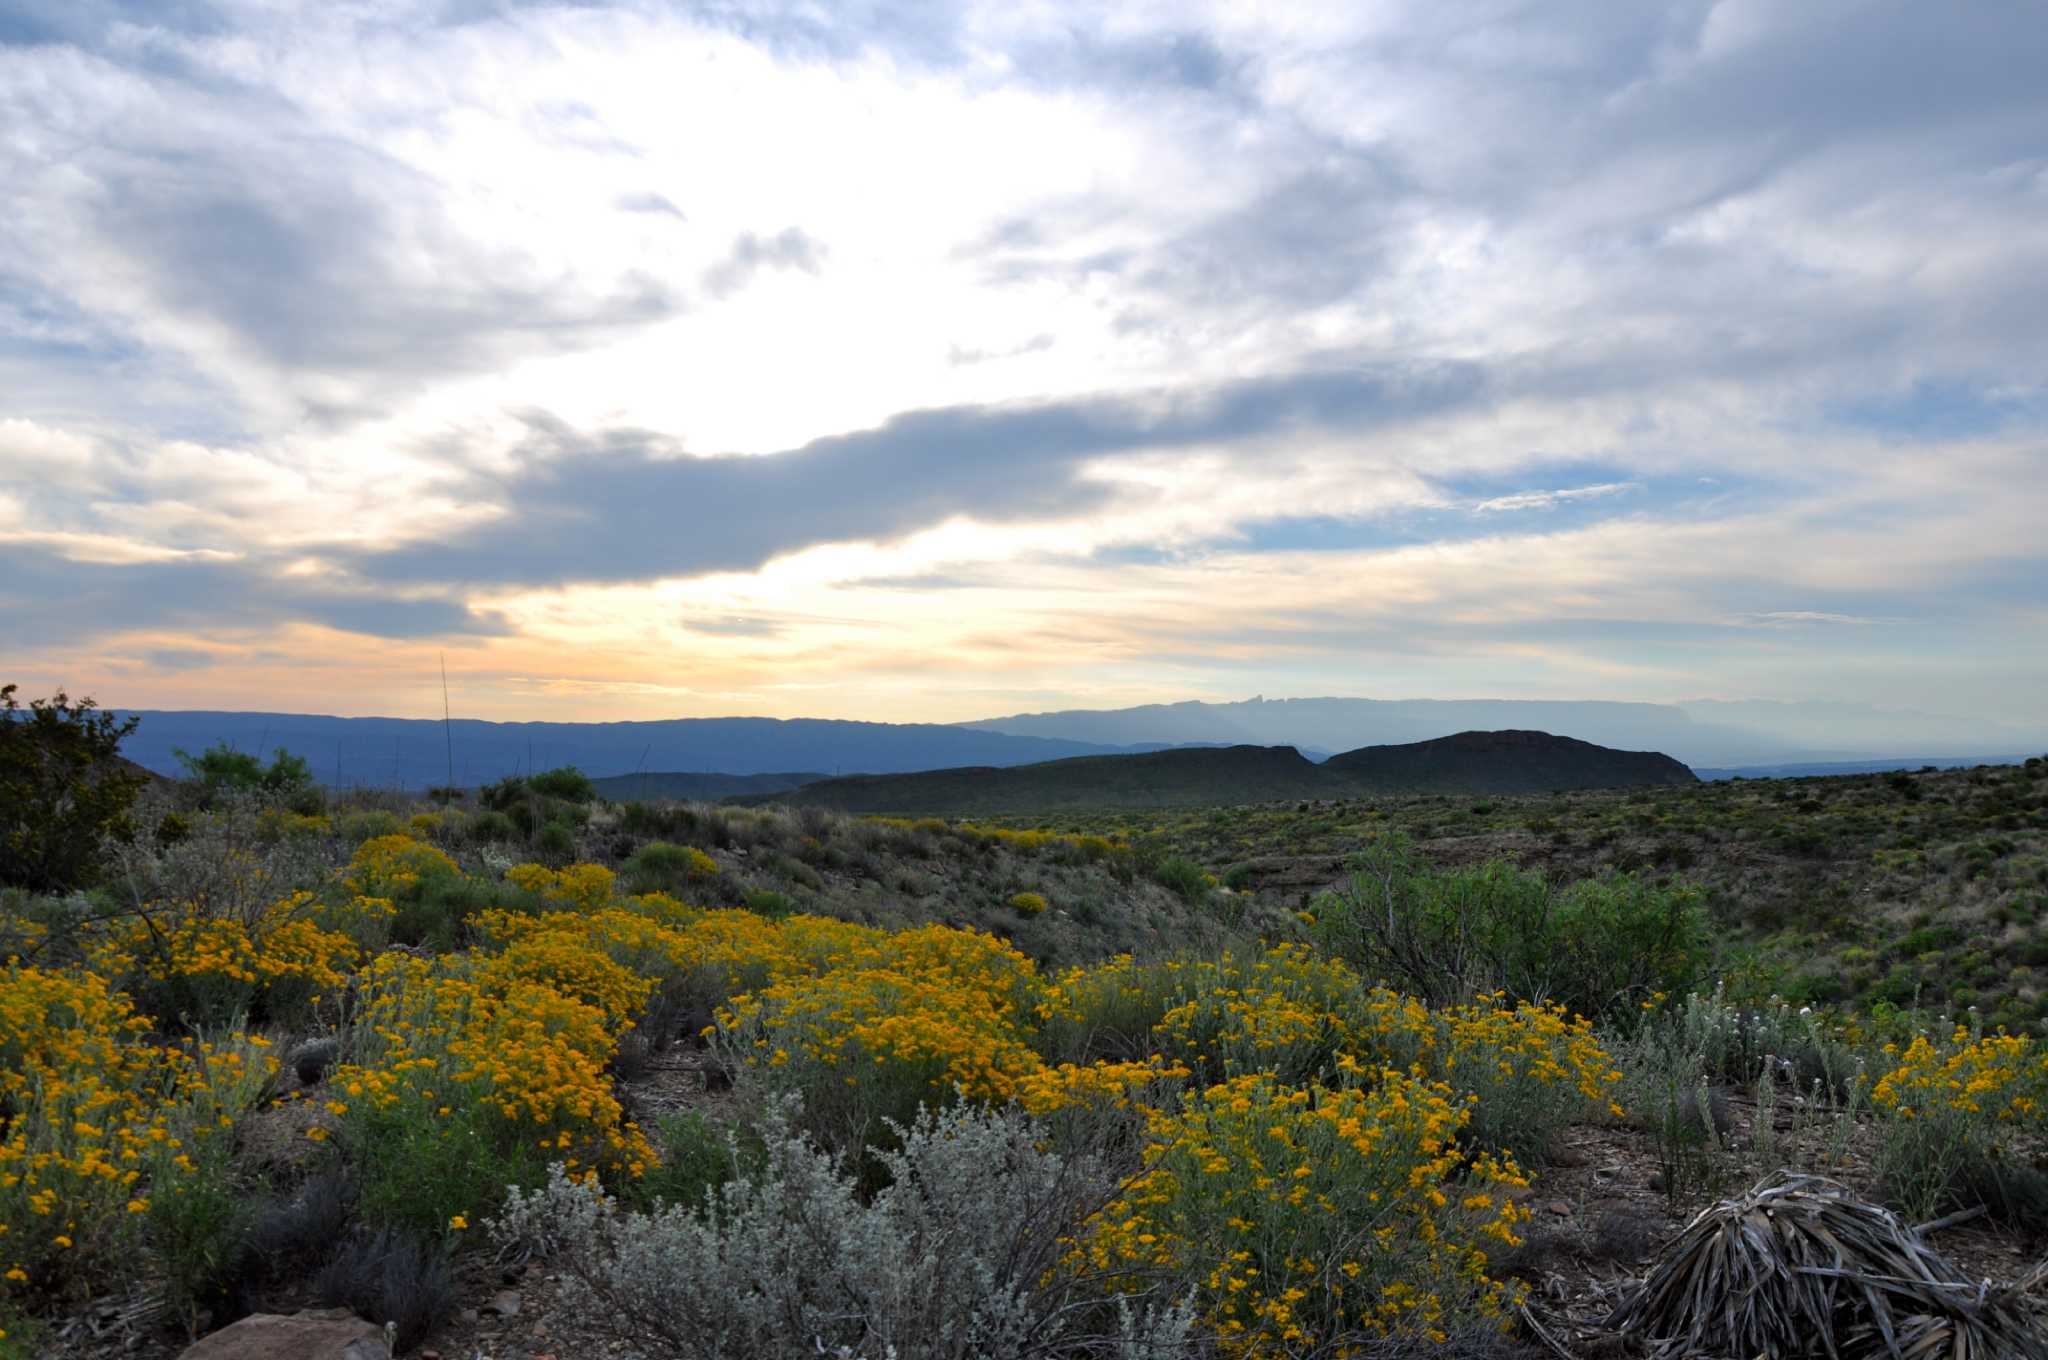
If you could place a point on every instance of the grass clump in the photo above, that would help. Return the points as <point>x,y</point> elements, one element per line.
<point>394,1277</point>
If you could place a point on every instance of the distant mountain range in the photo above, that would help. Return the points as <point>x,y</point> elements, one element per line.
<point>1465,763</point>
<point>1707,732</point>
<point>414,753</point>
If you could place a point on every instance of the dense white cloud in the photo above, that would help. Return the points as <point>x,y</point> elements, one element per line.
<point>1079,352</point>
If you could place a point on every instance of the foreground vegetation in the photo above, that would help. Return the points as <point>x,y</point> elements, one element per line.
<point>263,1044</point>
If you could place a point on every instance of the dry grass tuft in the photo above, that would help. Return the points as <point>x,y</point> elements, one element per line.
<point>1800,1267</point>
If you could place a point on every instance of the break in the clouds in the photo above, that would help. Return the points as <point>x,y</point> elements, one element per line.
<point>933,361</point>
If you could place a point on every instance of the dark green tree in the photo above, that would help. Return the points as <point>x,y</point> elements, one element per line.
<point>220,767</point>
<point>64,790</point>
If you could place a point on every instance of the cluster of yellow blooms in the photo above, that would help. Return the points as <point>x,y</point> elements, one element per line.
<point>395,866</point>
<point>1321,1213</point>
<point>1995,1079</point>
<point>439,1040</point>
<point>587,887</point>
<point>1285,1012</point>
<point>100,1118</point>
<point>1094,847</point>
<point>219,966</point>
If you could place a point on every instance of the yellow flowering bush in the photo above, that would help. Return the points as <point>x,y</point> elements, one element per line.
<point>1995,1079</point>
<point>574,965</point>
<point>395,866</point>
<point>276,824</point>
<point>1534,1069</point>
<point>869,1044</point>
<point>1957,1117</point>
<point>365,921</point>
<point>587,887</point>
<point>1096,1086</point>
<point>200,969</point>
<point>1284,1013</point>
<point>100,1127</point>
<point>1316,1220</point>
<point>968,958</point>
<point>464,1074</point>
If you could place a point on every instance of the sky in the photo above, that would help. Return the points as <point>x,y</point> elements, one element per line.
<point>934,362</point>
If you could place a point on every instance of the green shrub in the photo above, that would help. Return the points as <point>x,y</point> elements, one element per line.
<point>437,913</point>
<point>1109,1013</point>
<point>1184,877</point>
<point>698,1156</point>
<point>491,828</point>
<point>774,905</point>
<point>1598,946</point>
<point>555,844</point>
<point>1027,903</point>
<point>369,823</point>
<point>1929,939</point>
<point>417,1173</point>
<point>661,867</point>
<point>567,783</point>
<point>64,792</point>
<point>220,768</point>
<point>198,1233</point>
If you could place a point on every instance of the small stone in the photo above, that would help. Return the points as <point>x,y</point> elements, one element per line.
<point>468,1317</point>
<point>505,1303</point>
<point>269,1336</point>
<point>1559,1207</point>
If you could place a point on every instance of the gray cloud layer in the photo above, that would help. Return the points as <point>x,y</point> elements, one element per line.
<point>629,506</point>
<point>51,601</point>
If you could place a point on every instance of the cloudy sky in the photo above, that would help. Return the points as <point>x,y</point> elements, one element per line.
<point>925,361</point>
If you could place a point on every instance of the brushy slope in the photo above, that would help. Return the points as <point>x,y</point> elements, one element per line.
<point>1190,777</point>
<point>1926,889</point>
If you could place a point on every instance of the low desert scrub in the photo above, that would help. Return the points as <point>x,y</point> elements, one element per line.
<point>962,1254</point>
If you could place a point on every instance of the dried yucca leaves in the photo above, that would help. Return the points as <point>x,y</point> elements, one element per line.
<point>1800,1267</point>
